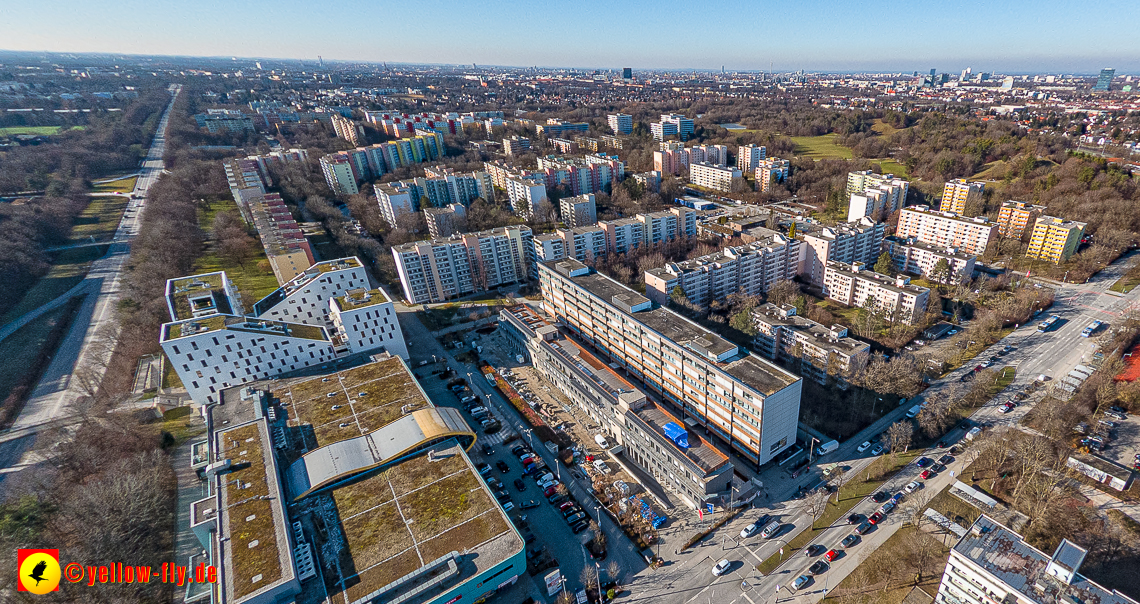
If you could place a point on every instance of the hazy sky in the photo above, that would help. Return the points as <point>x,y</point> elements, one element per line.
<point>839,35</point>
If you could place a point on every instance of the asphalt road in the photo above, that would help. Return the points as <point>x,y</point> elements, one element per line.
<point>48,402</point>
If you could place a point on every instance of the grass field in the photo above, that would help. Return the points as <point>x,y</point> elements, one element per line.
<point>883,128</point>
<point>1128,282</point>
<point>122,185</point>
<point>877,585</point>
<point>890,166</point>
<point>820,147</point>
<point>35,130</point>
<point>254,283</point>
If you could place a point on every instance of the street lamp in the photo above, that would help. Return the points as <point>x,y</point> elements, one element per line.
<point>811,448</point>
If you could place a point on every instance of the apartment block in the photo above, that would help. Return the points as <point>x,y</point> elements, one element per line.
<point>959,193</point>
<point>1016,216</point>
<point>305,299</point>
<point>401,125</point>
<point>659,443</point>
<point>623,235</point>
<point>578,211</point>
<point>918,258</point>
<point>651,180</point>
<point>715,177</point>
<point>672,124</point>
<point>345,170</point>
<point>848,242</point>
<point>365,319</point>
<point>620,123</point>
<point>516,145</point>
<point>770,172</point>
<point>673,157</point>
<point>612,142</point>
<point>749,269</point>
<point>1054,239</point>
<point>821,352</point>
<point>747,403</point>
<point>589,144</point>
<point>548,247</point>
<point>445,221</point>
<point>395,199</point>
<point>286,246</point>
<point>555,127</point>
<point>748,157</point>
<point>526,194</point>
<point>341,174</point>
<point>991,563</point>
<point>666,225</point>
<point>463,188</point>
<point>946,230</point>
<point>896,298</point>
<point>564,145</point>
<point>870,193</point>
<point>437,270</point>
<point>592,173</point>
<point>346,129</point>
<point>221,120</point>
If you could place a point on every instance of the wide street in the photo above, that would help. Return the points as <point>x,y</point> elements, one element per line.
<point>57,388</point>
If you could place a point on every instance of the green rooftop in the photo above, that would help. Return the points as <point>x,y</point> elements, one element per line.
<point>359,298</point>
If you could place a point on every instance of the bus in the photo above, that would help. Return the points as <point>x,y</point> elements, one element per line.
<point>1088,331</point>
<point>1048,324</point>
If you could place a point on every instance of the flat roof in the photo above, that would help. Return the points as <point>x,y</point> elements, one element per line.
<point>816,331</point>
<point>879,279</point>
<point>700,452</point>
<point>942,251</point>
<point>361,298</point>
<point>207,290</point>
<point>189,327</point>
<point>1005,555</point>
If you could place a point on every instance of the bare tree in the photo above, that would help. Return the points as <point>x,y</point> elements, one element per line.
<point>613,571</point>
<point>815,503</point>
<point>899,436</point>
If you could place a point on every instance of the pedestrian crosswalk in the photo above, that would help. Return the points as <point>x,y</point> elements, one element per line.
<point>497,438</point>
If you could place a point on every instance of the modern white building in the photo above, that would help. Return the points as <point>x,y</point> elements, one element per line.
<point>672,124</point>
<point>395,200</point>
<point>305,299</point>
<point>365,319</point>
<point>713,176</point>
<point>748,157</point>
<point>437,270</point>
<point>749,269</point>
<point>918,258</point>
<point>819,351</point>
<point>992,564</point>
<point>895,298</point>
<point>620,123</point>
<point>578,211</point>
<point>947,230</point>
<point>747,403</point>
<point>859,241</point>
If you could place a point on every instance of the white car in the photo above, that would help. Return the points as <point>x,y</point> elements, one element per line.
<point>749,530</point>
<point>863,447</point>
<point>912,486</point>
<point>878,450</point>
<point>721,567</point>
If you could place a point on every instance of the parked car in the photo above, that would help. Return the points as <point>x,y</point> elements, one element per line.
<point>817,568</point>
<point>850,540</point>
<point>875,518</point>
<point>503,467</point>
<point>770,529</point>
<point>877,450</point>
<point>880,496</point>
<point>945,459</point>
<point>814,549</point>
<point>854,519</point>
<point>863,447</point>
<point>912,486</point>
<point>831,555</point>
<point>922,462</point>
<point>886,508</point>
<point>576,517</point>
<point>579,527</point>
<point>863,528</point>
<point>520,485</point>
<point>530,503</point>
<point>749,530</point>
<point>484,468</point>
<point>800,582</point>
<point>721,568</point>
<point>488,450</point>
<point>926,474</point>
<point>519,450</point>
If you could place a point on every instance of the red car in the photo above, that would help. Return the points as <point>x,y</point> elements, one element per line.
<point>875,518</point>
<point>550,491</point>
<point>926,474</point>
<point>831,555</point>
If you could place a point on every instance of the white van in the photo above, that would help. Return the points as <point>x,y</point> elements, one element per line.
<point>770,529</point>
<point>601,441</point>
<point>827,447</point>
<point>913,411</point>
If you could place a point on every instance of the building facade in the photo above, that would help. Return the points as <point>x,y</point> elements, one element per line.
<point>712,176</point>
<point>770,172</point>
<point>895,298</point>
<point>620,123</point>
<point>748,157</point>
<point>820,352</point>
<point>1016,216</point>
<point>858,241</point>
<point>870,193</point>
<point>946,230</point>
<point>917,258</point>
<point>959,193</point>
<point>1054,239</point>
<point>579,211</point>
<point>441,269</point>
<point>445,221</point>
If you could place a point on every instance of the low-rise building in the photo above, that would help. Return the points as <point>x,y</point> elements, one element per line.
<point>712,176</point>
<point>286,247</point>
<point>650,437</point>
<point>947,230</point>
<point>917,258</point>
<point>1016,216</point>
<point>1054,239</point>
<point>748,269</point>
<point>991,563</point>
<point>848,242</point>
<point>895,298</point>
<point>819,351</point>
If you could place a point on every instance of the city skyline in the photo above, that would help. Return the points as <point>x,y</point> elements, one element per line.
<point>1016,37</point>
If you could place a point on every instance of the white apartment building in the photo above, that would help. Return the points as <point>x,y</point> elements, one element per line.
<point>395,200</point>
<point>672,124</point>
<point>305,299</point>
<point>578,211</point>
<point>437,270</point>
<point>623,235</point>
<point>548,247</point>
<point>991,564</point>
<point>820,351</point>
<point>339,174</point>
<point>526,193</point>
<point>749,269</point>
<point>445,221</point>
<point>770,172</point>
<point>943,229</point>
<point>848,242</point>
<point>666,225</point>
<point>869,193</point>
<point>748,157</point>
<point>620,123</point>
<point>365,319</point>
<point>463,188</point>
<point>895,298</point>
<point>918,258</point>
<point>712,176</point>
<point>749,404</point>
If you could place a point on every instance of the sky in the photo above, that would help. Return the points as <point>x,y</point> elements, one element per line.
<point>1005,36</point>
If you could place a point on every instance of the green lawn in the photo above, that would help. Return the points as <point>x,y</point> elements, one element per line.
<point>100,219</point>
<point>890,166</point>
<point>1128,282</point>
<point>820,147</point>
<point>253,282</point>
<point>878,586</point>
<point>68,269</point>
<point>122,185</point>
<point>36,130</point>
<point>853,492</point>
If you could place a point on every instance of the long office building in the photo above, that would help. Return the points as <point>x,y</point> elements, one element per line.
<point>944,229</point>
<point>821,352</point>
<point>441,269</point>
<point>712,176</point>
<point>848,242</point>
<point>959,193</point>
<point>993,564</point>
<point>749,269</point>
<point>917,258</point>
<point>748,403</point>
<point>771,171</point>
<point>1054,239</point>
<point>650,437</point>
<point>620,123</point>
<point>895,298</point>
<point>1016,216</point>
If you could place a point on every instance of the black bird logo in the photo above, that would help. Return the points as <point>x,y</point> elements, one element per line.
<point>38,572</point>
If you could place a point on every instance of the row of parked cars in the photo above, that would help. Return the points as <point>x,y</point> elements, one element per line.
<point>478,411</point>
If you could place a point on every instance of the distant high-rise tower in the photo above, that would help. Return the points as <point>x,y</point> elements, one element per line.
<point>627,73</point>
<point>932,72</point>
<point>1104,82</point>
<point>320,61</point>
<point>966,74</point>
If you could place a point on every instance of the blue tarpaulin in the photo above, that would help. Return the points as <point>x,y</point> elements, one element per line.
<point>677,434</point>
